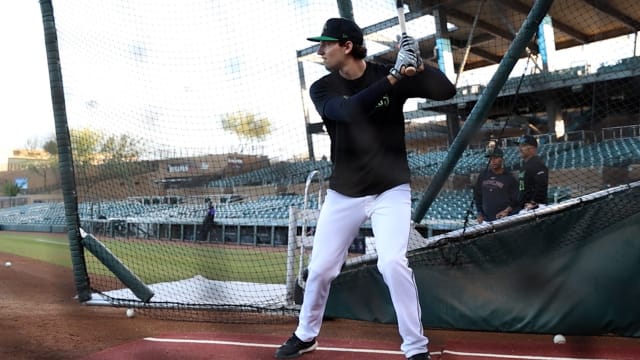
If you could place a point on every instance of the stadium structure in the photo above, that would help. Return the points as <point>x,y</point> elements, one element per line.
<point>565,71</point>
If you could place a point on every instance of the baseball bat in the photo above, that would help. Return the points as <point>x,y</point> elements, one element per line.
<point>409,70</point>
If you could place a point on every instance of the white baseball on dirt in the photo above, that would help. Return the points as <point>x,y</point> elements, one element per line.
<point>559,339</point>
<point>8,264</point>
<point>130,313</point>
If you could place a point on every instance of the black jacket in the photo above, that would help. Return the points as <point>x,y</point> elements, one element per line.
<point>533,182</point>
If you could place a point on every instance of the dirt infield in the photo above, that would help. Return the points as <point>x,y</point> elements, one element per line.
<point>41,320</point>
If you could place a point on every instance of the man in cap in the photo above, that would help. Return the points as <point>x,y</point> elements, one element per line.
<point>534,175</point>
<point>496,190</point>
<point>361,104</point>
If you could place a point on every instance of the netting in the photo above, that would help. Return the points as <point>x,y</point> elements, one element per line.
<point>176,107</point>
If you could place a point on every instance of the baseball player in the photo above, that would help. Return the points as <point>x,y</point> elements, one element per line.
<point>361,103</point>
<point>533,177</point>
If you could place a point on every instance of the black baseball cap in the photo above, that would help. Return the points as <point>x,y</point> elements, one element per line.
<point>528,140</point>
<point>496,152</point>
<point>340,29</point>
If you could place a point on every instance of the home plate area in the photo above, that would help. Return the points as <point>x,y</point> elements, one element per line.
<point>456,346</point>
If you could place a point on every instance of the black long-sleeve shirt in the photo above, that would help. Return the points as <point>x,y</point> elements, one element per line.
<point>533,182</point>
<point>365,122</point>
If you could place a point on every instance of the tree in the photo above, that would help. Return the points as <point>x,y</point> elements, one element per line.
<point>42,167</point>
<point>85,145</point>
<point>246,125</point>
<point>123,148</point>
<point>51,146</point>
<point>11,189</point>
<point>32,144</point>
<point>92,146</point>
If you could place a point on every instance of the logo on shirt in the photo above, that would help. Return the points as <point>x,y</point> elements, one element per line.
<point>493,183</point>
<point>384,102</point>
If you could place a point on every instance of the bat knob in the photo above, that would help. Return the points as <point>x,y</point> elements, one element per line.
<point>410,71</point>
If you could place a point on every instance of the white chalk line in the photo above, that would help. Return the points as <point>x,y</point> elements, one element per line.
<point>372,351</point>
<point>237,343</point>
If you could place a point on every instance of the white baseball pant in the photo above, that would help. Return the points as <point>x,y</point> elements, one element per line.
<point>338,224</point>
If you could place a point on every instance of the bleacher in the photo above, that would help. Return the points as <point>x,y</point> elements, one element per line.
<point>567,160</point>
<point>40,217</point>
<point>611,152</point>
<point>41,213</point>
<point>559,155</point>
<point>289,172</point>
<point>449,205</point>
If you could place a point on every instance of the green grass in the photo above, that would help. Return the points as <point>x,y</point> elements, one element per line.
<point>44,247</point>
<point>167,261</point>
<point>155,261</point>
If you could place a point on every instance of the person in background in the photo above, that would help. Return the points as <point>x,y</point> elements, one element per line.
<point>208,222</point>
<point>533,177</point>
<point>496,190</point>
<point>361,105</point>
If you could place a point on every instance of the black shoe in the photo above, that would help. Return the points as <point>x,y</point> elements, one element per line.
<point>295,347</point>
<point>423,356</point>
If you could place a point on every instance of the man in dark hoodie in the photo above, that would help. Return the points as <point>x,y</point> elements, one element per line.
<point>496,191</point>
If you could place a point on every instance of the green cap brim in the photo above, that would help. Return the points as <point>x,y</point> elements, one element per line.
<point>322,38</point>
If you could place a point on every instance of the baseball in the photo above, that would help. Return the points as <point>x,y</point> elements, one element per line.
<point>130,313</point>
<point>7,264</point>
<point>559,339</point>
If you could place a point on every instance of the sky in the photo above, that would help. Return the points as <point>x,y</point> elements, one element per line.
<point>25,100</point>
<point>105,87</point>
<point>168,70</point>
<point>165,70</point>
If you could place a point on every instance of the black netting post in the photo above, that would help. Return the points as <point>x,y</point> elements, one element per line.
<point>65,158</point>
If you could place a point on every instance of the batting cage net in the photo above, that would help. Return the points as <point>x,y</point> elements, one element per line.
<point>198,162</point>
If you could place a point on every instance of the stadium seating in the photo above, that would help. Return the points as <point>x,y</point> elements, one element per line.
<point>449,204</point>
<point>284,172</point>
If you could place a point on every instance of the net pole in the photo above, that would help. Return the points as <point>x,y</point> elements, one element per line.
<point>345,8</point>
<point>65,158</point>
<point>291,254</point>
<point>467,49</point>
<point>478,113</point>
<point>120,270</point>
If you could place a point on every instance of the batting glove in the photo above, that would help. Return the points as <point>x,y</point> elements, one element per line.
<point>411,44</point>
<point>405,58</point>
